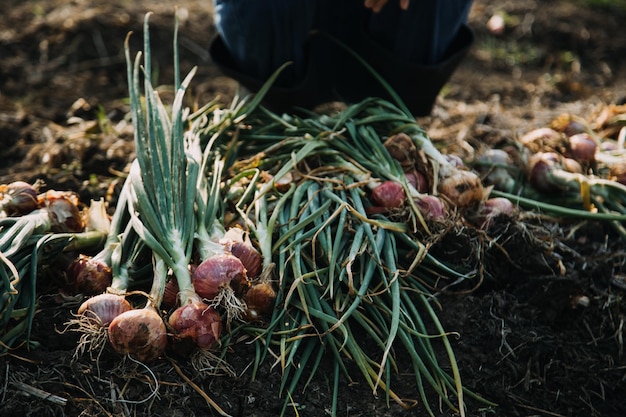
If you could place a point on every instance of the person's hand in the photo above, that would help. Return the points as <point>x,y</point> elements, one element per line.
<point>377,5</point>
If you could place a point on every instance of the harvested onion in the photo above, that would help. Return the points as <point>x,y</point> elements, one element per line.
<point>140,333</point>
<point>492,208</point>
<point>63,210</point>
<point>402,148</point>
<point>389,194</point>
<point>217,273</point>
<point>237,242</point>
<point>462,188</point>
<point>103,308</point>
<point>431,207</point>
<point>540,167</point>
<point>260,300</point>
<point>197,323</point>
<point>221,280</point>
<point>88,275</point>
<point>418,180</point>
<point>582,148</point>
<point>18,198</point>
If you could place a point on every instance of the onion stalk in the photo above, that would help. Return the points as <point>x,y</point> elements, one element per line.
<point>164,191</point>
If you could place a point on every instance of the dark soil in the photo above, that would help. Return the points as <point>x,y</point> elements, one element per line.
<point>527,339</point>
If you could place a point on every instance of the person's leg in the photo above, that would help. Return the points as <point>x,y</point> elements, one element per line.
<point>423,33</point>
<point>261,35</point>
<point>414,51</point>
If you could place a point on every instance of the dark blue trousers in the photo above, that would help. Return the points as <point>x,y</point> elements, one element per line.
<point>255,37</point>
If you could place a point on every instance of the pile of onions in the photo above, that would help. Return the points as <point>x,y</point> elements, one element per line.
<point>452,179</point>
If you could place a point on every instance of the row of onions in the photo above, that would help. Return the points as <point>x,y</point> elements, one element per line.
<point>574,168</point>
<point>171,211</point>
<point>310,235</point>
<point>36,228</point>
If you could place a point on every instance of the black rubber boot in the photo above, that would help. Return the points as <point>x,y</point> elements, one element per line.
<point>417,85</point>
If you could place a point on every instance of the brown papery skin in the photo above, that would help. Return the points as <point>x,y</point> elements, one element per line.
<point>249,256</point>
<point>18,198</point>
<point>140,333</point>
<point>260,300</point>
<point>402,148</point>
<point>463,188</point>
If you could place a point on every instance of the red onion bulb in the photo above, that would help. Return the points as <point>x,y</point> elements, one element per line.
<point>103,308</point>
<point>389,194</point>
<point>237,242</point>
<point>18,198</point>
<point>197,323</point>
<point>89,276</point>
<point>495,207</point>
<point>540,166</point>
<point>431,207</point>
<point>582,148</point>
<point>64,212</point>
<point>217,273</point>
<point>418,180</point>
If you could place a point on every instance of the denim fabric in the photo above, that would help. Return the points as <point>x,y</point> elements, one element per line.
<point>264,34</point>
<point>422,34</point>
<point>261,35</point>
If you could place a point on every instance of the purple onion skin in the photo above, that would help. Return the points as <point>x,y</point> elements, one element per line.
<point>431,207</point>
<point>218,272</point>
<point>18,198</point>
<point>582,148</point>
<point>104,308</point>
<point>541,165</point>
<point>389,194</point>
<point>89,276</point>
<point>492,208</point>
<point>418,180</point>
<point>195,325</point>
